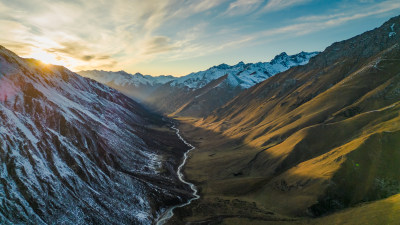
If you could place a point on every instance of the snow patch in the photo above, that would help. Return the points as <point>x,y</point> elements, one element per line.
<point>16,123</point>
<point>392,33</point>
<point>142,216</point>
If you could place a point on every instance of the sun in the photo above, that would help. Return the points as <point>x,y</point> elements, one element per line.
<point>45,57</point>
<point>52,58</point>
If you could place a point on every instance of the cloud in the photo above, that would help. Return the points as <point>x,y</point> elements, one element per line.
<point>92,34</point>
<point>240,7</point>
<point>88,57</point>
<point>299,26</point>
<point>79,31</point>
<point>187,8</point>
<point>276,5</point>
<point>158,44</point>
<point>70,48</point>
<point>310,24</point>
<point>203,5</point>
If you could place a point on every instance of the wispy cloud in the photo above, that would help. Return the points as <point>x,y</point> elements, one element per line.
<point>79,32</point>
<point>240,7</point>
<point>203,5</point>
<point>276,5</point>
<point>119,34</point>
<point>158,44</point>
<point>301,26</point>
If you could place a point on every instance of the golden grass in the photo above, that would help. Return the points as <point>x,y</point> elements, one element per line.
<point>284,156</point>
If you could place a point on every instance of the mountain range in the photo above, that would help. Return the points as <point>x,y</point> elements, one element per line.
<point>194,94</point>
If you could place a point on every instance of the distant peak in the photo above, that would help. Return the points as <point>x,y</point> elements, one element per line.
<point>301,57</point>
<point>222,66</point>
<point>283,54</point>
<point>279,57</point>
<point>123,72</point>
<point>241,63</point>
<point>139,74</point>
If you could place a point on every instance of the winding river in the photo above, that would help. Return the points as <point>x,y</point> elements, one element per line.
<point>170,212</point>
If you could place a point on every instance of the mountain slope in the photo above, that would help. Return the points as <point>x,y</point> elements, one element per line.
<point>198,94</point>
<point>136,86</point>
<point>73,151</point>
<point>308,141</point>
<point>384,211</point>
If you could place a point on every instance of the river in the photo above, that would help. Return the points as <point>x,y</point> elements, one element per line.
<point>170,212</point>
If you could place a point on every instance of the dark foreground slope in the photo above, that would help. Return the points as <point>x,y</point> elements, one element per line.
<point>308,141</point>
<point>73,151</point>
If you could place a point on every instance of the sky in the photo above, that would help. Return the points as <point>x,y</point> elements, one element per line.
<point>176,37</point>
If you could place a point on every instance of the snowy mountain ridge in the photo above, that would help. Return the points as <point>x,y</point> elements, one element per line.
<point>244,75</point>
<point>195,93</point>
<point>122,78</point>
<point>241,74</point>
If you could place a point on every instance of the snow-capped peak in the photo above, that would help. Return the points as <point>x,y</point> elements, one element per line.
<point>244,75</point>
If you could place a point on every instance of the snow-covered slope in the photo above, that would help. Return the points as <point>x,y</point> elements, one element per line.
<point>122,78</point>
<point>74,151</point>
<point>244,75</point>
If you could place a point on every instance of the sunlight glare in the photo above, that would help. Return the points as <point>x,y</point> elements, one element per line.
<point>45,57</point>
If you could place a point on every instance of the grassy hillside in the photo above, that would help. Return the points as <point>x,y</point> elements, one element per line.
<point>385,211</point>
<point>307,142</point>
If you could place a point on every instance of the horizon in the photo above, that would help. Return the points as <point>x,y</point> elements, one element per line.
<point>230,65</point>
<point>180,37</point>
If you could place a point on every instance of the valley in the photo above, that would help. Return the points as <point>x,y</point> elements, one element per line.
<point>194,94</point>
<point>309,138</point>
<point>314,141</point>
<point>228,197</point>
<point>168,214</point>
